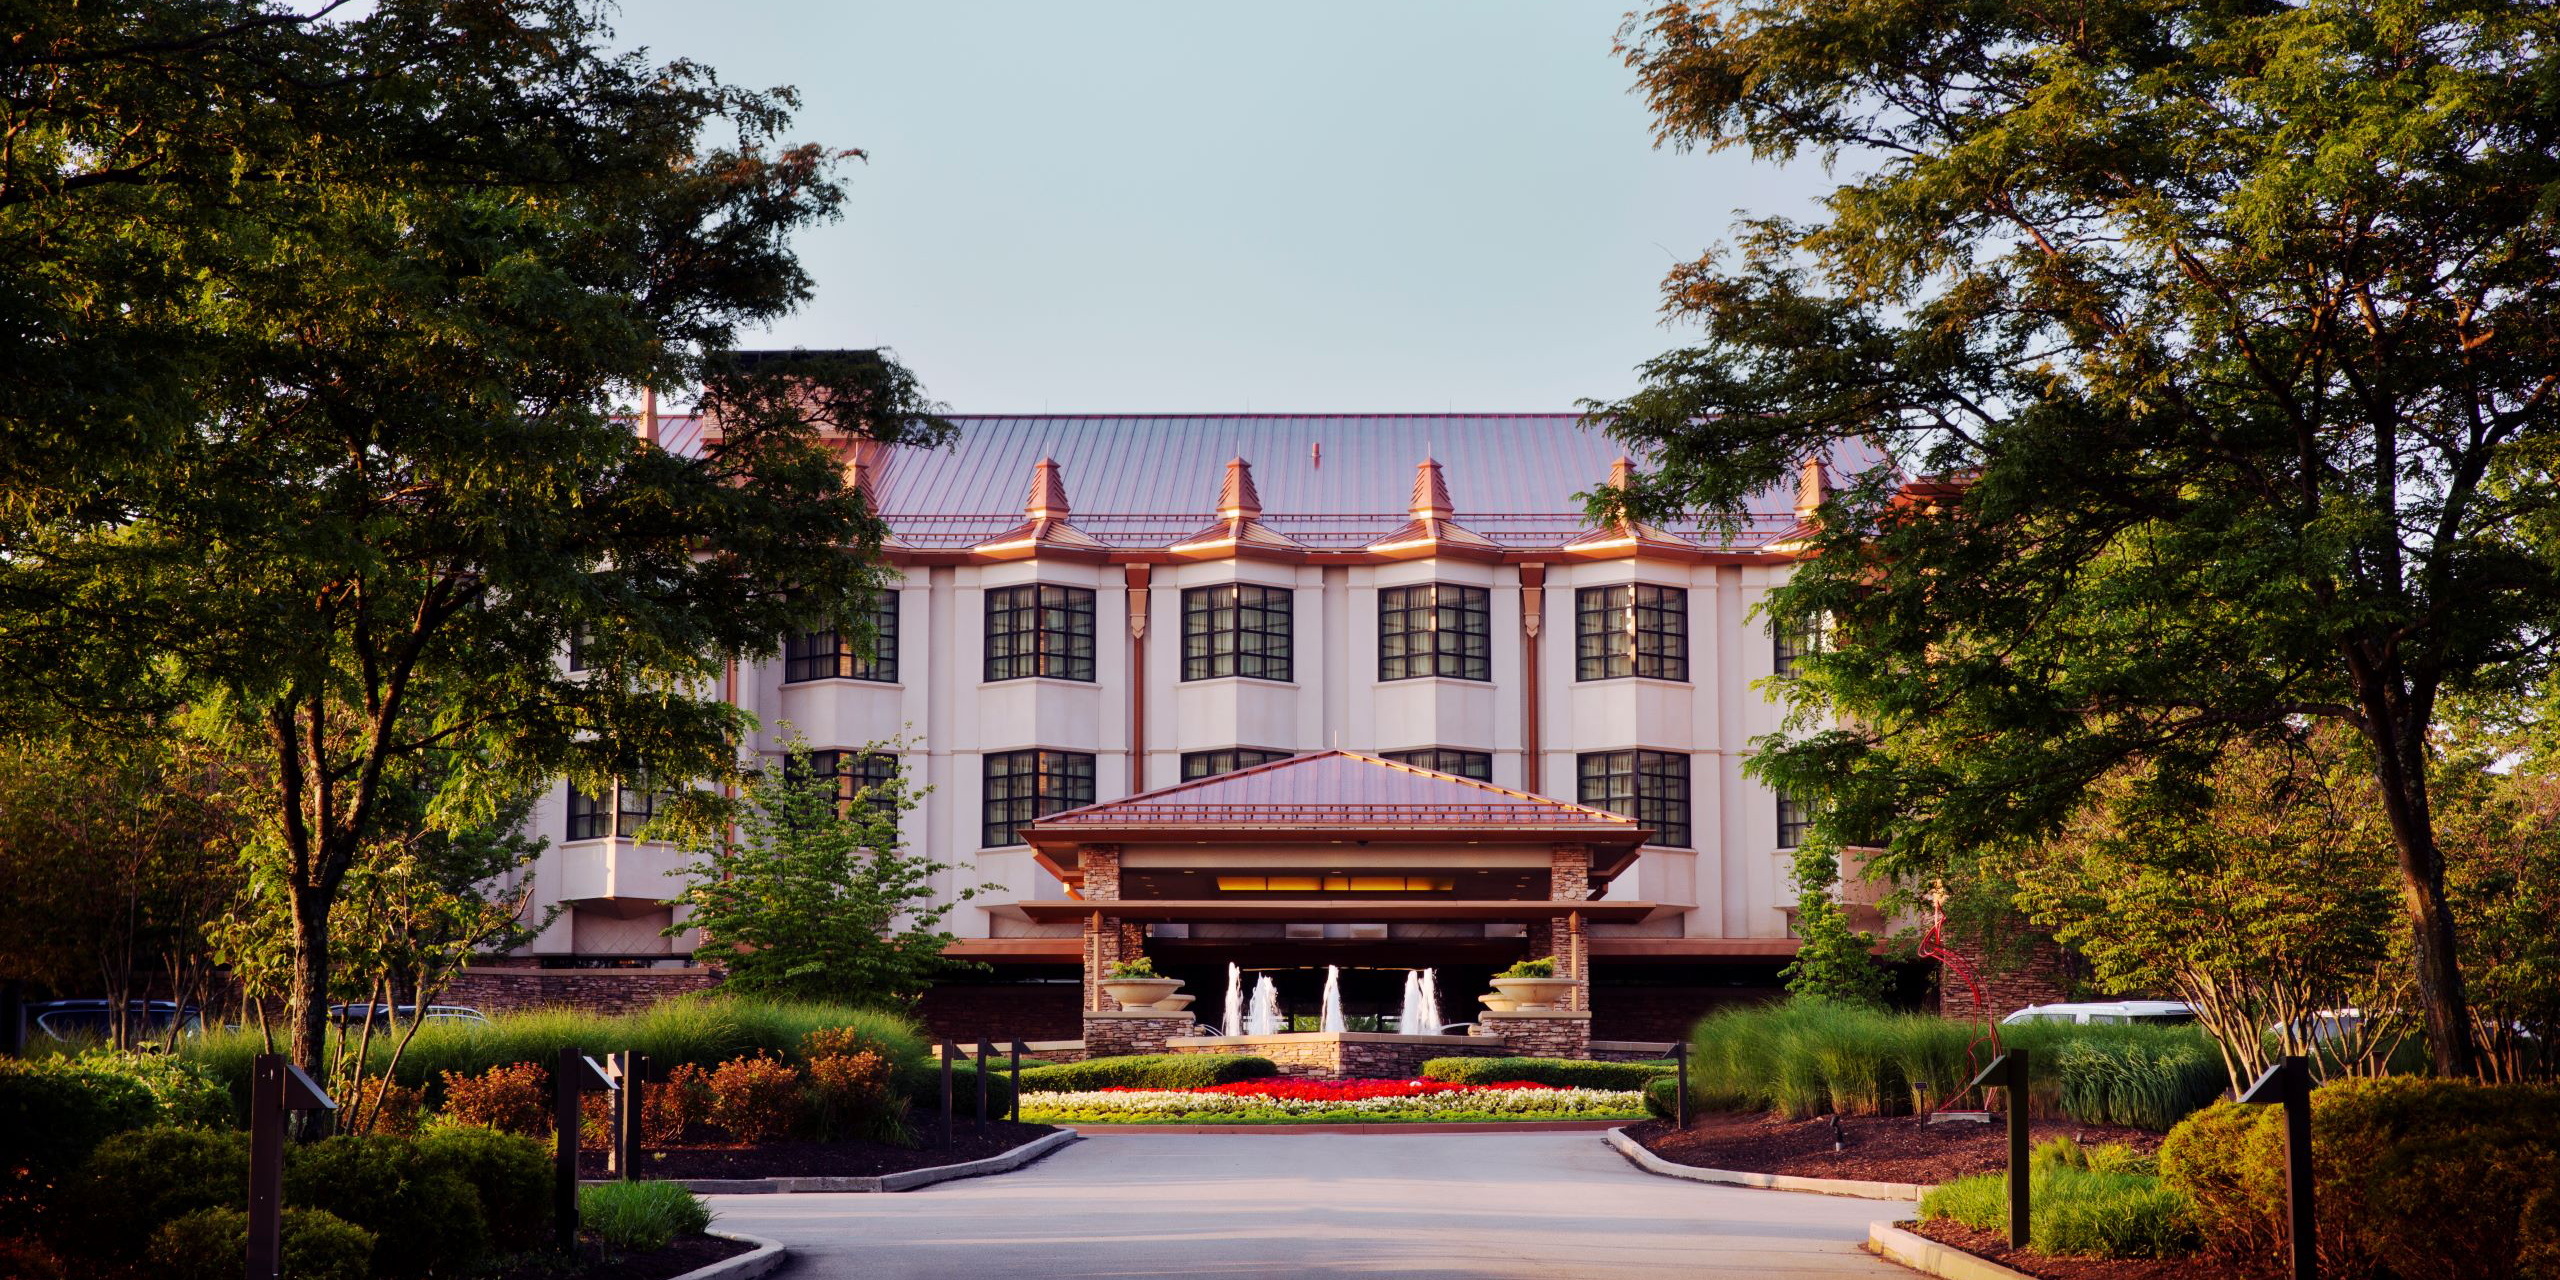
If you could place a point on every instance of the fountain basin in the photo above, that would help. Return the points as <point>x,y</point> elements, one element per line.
<point>1337,1055</point>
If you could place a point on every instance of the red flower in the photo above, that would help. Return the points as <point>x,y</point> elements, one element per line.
<point>1339,1090</point>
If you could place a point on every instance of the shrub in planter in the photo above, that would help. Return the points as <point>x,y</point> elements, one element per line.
<point>636,1217</point>
<point>669,1107</point>
<point>512,1175</point>
<point>2416,1177</point>
<point>1148,1071</point>
<point>513,1098</point>
<point>427,1218</point>
<point>757,1099</point>
<point>1564,1073</point>
<point>209,1243</point>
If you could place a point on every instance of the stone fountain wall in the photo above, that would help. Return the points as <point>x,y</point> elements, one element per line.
<point>1344,1055</point>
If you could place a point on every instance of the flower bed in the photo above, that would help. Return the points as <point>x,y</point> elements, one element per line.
<point>1332,1102</point>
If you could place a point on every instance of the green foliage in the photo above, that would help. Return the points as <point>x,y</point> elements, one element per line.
<point>2076,1210</point>
<point>920,1088</point>
<point>1148,1071</point>
<point>2415,1177</point>
<point>53,1113</point>
<point>1832,961</point>
<point>1662,1097</point>
<point>1534,967</point>
<point>1806,1058</point>
<point>2086,290</point>
<point>1565,1073</point>
<point>511,1174</point>
<point>426,1219</point>
<point>135,1181</point>
<point>1134,967</point>
<point>636,1217</point>
<point>811,895</point>
<point>208,1244</point>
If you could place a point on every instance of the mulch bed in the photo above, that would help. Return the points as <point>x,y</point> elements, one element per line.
<point>795,1159</point>
<point>689,1253</point>
<point>1994,1245</point>
<point>1874,1148</point>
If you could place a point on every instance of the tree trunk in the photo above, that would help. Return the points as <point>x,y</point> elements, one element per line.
<point>308,1006</point>
<point>2400,770</point>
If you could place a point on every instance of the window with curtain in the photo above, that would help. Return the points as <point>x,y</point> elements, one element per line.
<point>1040,630</point>
<point>1236,629</point>
<point>1651,787</point>
<point>1634,630</point>
<point>1022,786</point>
<point>1436,629</point>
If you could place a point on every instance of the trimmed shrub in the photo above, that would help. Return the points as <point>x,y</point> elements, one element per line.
<point>1147,1071</point>
<point>512,1175</point>
<point>389,1108</point>
<point>510,1099</point>
<point>1659,1095</point>
<point>636,1217</point>
<point>427,1219</point>
<point>209,1243</point>
<point>669,1107</point>
<point>135,1181</point>
<point>850,1097</point>
<point>921,1091</point>
<point>53,1113</point>
<point>2076,1211</point>
<point>1564,1073</point>
<point>2416,1177</point>
<point>757,1099</point>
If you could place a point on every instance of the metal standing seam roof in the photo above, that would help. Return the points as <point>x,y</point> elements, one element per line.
<point>1334,789</point>
<point>1328,481</point>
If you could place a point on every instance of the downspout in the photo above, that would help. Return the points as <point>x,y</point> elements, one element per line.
<point>1533,611</point>
<point>1137,581</point>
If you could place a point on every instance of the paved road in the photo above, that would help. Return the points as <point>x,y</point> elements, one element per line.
<point>1544,1205</point>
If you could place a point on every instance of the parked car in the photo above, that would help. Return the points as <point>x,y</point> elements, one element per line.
<point>93,1019</point>
<point>383,1015</point>
<point>2086,1013</point>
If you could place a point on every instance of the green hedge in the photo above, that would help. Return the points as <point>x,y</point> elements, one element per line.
<point>450,1202</point>
<point>208,1244</point>
<point>1659,1094</point>
<point>703,1030</point>
<point>1148,1071</point>
<point>921,1086</point>
<point>1808,1058</point>
<point>2415,1177</point>
<point>1563,1073</point>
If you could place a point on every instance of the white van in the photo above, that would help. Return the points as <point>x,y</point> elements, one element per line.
<point>2155,1012</point>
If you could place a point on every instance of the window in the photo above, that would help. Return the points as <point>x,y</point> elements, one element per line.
<point>1209,764</point>
<point>1651,787</point>
<point>1040,630</point>
<point>855,772</point>
<point>1795,822</point>
<point>1435,630</point>
<point>581,641</point>
<point>1788,645</point>
<point>1238,629</point>
<point>1638,630</point>
<point>828,653</point>
<point>1024,785</point>
<point>1466,764</point>
<point>586,815</point>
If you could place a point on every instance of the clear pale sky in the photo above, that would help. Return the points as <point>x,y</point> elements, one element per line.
<point>1395,206</point>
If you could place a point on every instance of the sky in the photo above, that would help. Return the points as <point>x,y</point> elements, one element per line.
<point>1399,206</point>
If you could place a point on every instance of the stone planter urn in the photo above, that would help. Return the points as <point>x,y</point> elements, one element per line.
<point>1174,1004</point>
<point>1498,1002</point>
<point>1535,993</point>
<point>1138,993</point>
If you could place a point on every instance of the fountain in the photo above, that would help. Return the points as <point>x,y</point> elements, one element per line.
<point>1264,1020</point>
<point>1235,1001</point>
<point>1430,1002</point>
<point>1332,999</point>
<point>1410,1021</point>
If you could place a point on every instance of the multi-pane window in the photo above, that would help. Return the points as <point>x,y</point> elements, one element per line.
<point>1795,822</point>
<point>581,643</point>
<point>1466,764</point>
<point>1789,645</point>
<point>1635,630</point>
<point>1651,787</point>
<point>589,816</point>
<point>1040,630</point>
<point>1209,764</point>
<point>1237,629</point>
<point>854,772</point>
<point>829,654</point>
<point>1437,629</point>
<point>1026,785</point>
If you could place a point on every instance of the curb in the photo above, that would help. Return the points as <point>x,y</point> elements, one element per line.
<point>763,1260</point>
<point>1401,1126</point>
<point>906,1180</point>
<point>1893,1244</point>
<point>1636,1155</point>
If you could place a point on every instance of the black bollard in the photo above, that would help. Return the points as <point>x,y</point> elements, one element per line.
<point>983,1051</point>
<point>948,1049</point>
<point>277,1089</point>
<point>2289,1083</point>
<point>2010,1070</point>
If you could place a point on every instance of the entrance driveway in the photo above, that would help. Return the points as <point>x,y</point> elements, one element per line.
<point>1544,1205</point>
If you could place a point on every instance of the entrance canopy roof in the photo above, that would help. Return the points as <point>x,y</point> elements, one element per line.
<point>1355,808</point>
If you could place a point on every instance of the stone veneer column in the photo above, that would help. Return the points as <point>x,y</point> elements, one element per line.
<point>1569,880</point>
<point>1104,936</point>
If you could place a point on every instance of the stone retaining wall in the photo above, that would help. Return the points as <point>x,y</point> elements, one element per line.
<point>1344,1055</point>
<point>1540,1034</point>
<point>1108,1035</point>
<point>494,989</point>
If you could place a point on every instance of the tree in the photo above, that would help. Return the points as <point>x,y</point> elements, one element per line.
<point>812,892</point>
<point>117,856</point>
<point>387,290</point>
<point>2217,348</point>
<point>1833,961</point>
<point>2259,891</point>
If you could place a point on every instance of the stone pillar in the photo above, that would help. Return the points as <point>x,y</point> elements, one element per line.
<point>1106,937</point>
<point>1569,880</point>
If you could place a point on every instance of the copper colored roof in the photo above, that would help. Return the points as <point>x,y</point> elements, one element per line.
<point>1330,792</point>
